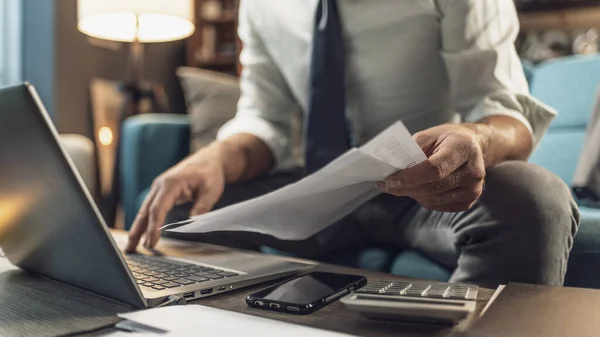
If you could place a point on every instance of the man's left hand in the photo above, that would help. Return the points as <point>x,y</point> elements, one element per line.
<point>452,178</point>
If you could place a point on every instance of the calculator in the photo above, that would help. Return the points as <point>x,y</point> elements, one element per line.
<point>422,302</point>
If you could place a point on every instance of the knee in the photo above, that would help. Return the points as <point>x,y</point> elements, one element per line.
<point>532,197</point>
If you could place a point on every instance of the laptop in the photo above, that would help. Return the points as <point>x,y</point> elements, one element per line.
<point>50,225</point>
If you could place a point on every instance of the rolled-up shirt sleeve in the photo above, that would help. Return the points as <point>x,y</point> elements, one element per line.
<point>266,108</point>
<point>485,72</point>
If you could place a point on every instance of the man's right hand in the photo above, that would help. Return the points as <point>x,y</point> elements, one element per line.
<point>200,179</point>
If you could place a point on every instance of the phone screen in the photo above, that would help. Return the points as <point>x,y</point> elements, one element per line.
<point>309,288</point>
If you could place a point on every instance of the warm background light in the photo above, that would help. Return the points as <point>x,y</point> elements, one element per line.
<point>105,136</point>
<point>12,209</point>
<point>146,20</point>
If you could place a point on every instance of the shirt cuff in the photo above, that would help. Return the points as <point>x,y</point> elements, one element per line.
<point>275,138</point>
<point>534,114</point>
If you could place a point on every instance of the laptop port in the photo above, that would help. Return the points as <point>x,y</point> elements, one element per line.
<point>188,296</point>
<point>274,305</point>
<point>222,288</point>
<point>206,291</point>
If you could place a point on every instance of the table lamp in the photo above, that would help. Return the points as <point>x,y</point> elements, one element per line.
<point>136,22</point>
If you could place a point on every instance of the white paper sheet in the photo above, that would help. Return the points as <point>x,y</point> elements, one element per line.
<point>303,209</point>
<point>197,320</point>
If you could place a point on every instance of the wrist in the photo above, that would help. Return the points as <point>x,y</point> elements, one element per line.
<point>241,157</point>
<point>483,135</point>
<point>227,157</point>
<point>501,139</point>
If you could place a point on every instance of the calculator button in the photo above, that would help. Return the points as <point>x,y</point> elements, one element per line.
<point>438,291</point>
<point>458,293</point>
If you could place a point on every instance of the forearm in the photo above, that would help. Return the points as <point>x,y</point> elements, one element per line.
<point>243,156</point>
<point>502,138</point>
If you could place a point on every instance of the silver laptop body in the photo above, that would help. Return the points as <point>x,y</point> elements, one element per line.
<point>50,225</point>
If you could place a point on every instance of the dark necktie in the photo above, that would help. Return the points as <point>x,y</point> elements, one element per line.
<point>326,129</point>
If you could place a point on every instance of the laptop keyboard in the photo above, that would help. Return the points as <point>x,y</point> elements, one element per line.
<point>159,273</point>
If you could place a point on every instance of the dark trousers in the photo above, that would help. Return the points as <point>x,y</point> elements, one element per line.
<point>521,230</point>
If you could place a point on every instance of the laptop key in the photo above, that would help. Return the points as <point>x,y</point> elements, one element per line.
<point>183,269</point>
<point>161,282</point>
<point>140,281</point>
<point>197,278</point>
<point>158,288</point>
<point>171,285</point>
<point>228,274</point>
<point>202,269</point>
<point>151,279</point>
<point>170,278</point>
<point>183,281</point>
<point>152,273</point>
<point>213,276</point>
<point>148,284</point>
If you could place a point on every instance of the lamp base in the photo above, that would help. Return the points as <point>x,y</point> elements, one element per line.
<point>142,97</point>
<point>139,98</point>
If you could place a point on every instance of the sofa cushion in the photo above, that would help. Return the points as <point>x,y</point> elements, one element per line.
<point>558,151</point>
<point>211,100</point>
<point>569,85</point>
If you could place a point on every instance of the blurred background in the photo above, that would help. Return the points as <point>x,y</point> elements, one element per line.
<point>95,71</point>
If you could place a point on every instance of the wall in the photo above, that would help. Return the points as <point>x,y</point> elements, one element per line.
<point>59,60</point>
<point>38,46</point>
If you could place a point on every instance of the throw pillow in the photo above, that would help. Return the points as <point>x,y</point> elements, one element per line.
<point>211,98</point>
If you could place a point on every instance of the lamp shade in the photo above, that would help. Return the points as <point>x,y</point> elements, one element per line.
<point>141,20</point>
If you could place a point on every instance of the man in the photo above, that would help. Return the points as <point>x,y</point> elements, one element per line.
<point>352,68</point>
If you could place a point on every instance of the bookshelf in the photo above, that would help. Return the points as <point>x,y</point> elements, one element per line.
<point>566,19</point>
<point>215,45</point>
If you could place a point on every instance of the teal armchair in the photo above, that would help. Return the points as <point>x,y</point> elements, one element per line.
<point>152,143</point>
<point>570,85</point>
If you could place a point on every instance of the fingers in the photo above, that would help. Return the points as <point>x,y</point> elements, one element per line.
<point>441,164</point>
<point>456,193</point>
<point>140,223</point>
<point>207,198</point>
<point>464,176</point>
<point>162,203</point>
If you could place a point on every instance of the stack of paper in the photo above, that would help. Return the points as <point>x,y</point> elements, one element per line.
<point>303,209</point>
<point>196,320</point>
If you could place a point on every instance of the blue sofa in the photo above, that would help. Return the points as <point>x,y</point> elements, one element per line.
<point>152,143</point>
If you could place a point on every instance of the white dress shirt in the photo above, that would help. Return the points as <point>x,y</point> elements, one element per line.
<point>420,61</point>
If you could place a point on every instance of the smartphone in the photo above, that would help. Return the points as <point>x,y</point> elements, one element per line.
<point>306,293</point>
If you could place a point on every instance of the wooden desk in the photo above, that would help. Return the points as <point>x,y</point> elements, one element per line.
<point>333,317</point>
